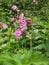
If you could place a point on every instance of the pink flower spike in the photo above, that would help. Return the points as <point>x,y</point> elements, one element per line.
<point>13,19</point>
<point>14,23</point>
<point>21,16</point>
<point>5,26</point>
<point>20,20</point>
<point>17,33</point>
<point>24,28</point>
<point>23,25</point>
<point>14,8</point>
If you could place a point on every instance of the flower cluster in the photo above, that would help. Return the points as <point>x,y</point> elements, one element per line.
<point>13,19</point>
<point>24,23</point>
<point>4,26</point>
<point>14,8</point>
<point>18,33</point>
<point>22,27</point>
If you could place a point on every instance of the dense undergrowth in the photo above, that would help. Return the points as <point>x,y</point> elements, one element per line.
<point>31,46</point>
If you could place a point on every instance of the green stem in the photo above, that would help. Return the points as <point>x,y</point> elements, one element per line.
<point>31,44</point>
<point>25,44</point>
<point>22,45</point>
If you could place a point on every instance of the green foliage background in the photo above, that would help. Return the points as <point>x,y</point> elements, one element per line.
<point>39,13</point>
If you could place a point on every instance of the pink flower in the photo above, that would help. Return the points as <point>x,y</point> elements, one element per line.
<point>21,16</point>
<point>14,8</point>
<point>23,25</point>
<point>13,19</point>
<point>18,33</point>
<point>23,28</point>
<point>5,26</point>
<point>20,20</point>
<point>14,23</point>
